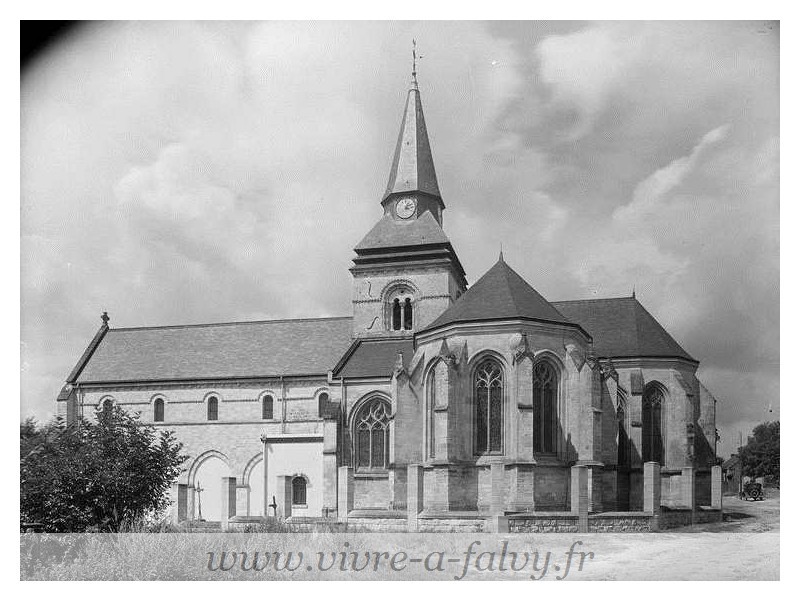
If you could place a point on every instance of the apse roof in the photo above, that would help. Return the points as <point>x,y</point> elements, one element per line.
<point>622,327</point>
<point>501,293</point>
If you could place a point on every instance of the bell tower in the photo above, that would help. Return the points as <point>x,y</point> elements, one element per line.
<point>406,272</point>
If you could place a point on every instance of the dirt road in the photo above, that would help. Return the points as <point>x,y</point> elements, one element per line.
<point>745,546</point>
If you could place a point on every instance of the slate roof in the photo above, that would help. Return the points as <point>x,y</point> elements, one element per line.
<point>218,351</point>
<point>374,358</point>
<point>622,327</point>
<point>412,165</point>
<point>396,233</point>
<point>501,293</point>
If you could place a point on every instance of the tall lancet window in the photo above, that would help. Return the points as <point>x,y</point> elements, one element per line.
<point>408,320</point>
<point>652,437</point>
<point>431,413</point>
<point>488,395</point>
<point>622,438</point>
<point>545,392</point>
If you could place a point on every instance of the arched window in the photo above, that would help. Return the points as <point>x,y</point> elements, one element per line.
<point>266,407</point>
<point>396,315</point>
<point>545,394</point>
<point>400,309</point>
<point>372,435</point>
<point>431,414</point>
<point>213,409</point>
<point>158,410</point>
<point>323,409</point>
<point>652,438</point>
<point>622,438</point>
<point>299,490</point>
<point>488,395</point>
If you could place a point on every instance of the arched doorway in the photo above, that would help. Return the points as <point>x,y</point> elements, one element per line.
<point>206,481</point>
<point>256,481</point>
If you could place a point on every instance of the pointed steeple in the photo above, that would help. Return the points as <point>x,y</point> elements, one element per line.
<point>412,166</point>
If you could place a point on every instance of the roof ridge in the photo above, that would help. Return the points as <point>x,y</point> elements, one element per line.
<point>229,323</point>
<point>662,332</point>
<point>506,272</point>
<point>591,300</point>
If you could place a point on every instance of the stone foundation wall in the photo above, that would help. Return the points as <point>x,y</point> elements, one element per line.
<point>677,518</point>
<point>377,524</point>
<point>450,525</point>
<point>620,522</point>
<point>543,523</point>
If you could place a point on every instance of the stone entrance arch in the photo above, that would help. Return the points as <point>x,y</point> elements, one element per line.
<point>253,487</point>
<point>204,480</point>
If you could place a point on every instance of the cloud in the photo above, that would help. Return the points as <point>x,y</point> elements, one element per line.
<point>584,69</point>
<point>193,172</point>
<point>656,186</point>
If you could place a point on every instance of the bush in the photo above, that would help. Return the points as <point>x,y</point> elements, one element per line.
<point>101,476</point>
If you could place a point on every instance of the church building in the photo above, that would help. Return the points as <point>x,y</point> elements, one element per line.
<point>434,403</point>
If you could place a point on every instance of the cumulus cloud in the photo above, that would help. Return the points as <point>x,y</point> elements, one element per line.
<point>656,186</point>
<point>193,172</point>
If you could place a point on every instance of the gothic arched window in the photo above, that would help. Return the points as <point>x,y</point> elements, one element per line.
<point>652,423</point>
<point>431,414</point>
<point>408,318</point>
<point>545,394</point>
<point>267,408</point>
<point>488,395</point>
<point>212,412</point>
<point>372,435</point>
<point>158,410</point>
<point>622,438</point>
<point>299,490</point>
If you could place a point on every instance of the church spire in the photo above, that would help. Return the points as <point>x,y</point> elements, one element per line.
<point>412,166</point>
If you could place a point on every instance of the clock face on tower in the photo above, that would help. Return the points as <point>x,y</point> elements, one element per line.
<point>405,207</point>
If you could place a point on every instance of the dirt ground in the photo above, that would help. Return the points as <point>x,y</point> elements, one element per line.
<point>745,546</point>
<point>745,516</point>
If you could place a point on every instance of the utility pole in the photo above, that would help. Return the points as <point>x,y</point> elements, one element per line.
<point>741,465</point>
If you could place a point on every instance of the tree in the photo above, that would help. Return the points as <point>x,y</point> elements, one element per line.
<point>761,456</point>
<point>95,475</point>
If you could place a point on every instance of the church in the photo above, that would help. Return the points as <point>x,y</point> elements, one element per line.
<point>434,405</point>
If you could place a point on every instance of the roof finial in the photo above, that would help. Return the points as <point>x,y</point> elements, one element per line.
<point>501,253</point>
<point>105,318</point>
<point>633,292</point>
<point>414,85</point>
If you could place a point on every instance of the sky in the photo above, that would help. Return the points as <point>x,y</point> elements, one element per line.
<point>194,172</point>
